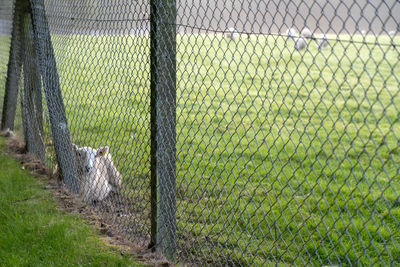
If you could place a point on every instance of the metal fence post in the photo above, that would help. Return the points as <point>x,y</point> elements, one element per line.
<point>14,69</point>
<point>32,109</point>
<point>163,126</point>
<point>59,127</point>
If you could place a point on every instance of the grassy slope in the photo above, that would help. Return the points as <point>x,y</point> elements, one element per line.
<point>33,232</point>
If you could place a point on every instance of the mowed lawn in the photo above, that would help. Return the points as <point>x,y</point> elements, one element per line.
<point>282,156</point>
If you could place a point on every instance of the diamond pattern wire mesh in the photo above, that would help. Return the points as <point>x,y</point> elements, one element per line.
<point>6,13</point>
<point>288,146</point>
<point>5,37</point>
<point>287,156</point>
<point>102,52</point>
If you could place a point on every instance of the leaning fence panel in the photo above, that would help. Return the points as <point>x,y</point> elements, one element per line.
<point>5,36</point>
<point>102,51</point>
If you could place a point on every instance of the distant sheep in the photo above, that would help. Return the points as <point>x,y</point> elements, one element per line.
<point>300,43</point>
<point>306,32</point>
<point>323,42</point>
<point>291,33</point>
<point>392,33</point>
<point>97,173</point>
<point>232,34</point>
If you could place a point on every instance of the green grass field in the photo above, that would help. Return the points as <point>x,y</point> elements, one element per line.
<point>283,156</point>
<point>35,232</point>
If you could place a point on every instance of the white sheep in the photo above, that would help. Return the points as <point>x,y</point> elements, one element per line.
<point>306,32</point>
<point>232,34</point>
<point>323,42</point>
<point>291,33</point>
<point>300,43</point>
<point>114,177</point>
<point>392,33</point>
<point>97,173</point>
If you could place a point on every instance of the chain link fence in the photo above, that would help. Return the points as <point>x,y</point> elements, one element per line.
<point>102,52</point>
<point>288,132</point>
<point>285,115</point>
<point>5,35</point>
<point>6,12</point>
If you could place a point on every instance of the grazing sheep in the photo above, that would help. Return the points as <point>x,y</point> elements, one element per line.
<point>323,42</point>
<point>291,33</point>
<point>306,32</point>
<point>97,173</point>
<point>232,34</point>
<point>300,43</point>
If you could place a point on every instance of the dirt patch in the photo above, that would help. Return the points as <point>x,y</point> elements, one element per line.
<point>102,215</point>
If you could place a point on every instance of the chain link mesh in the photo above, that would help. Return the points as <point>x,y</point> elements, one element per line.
<point>5,37</point>
<point>102,53</point>
<point>7,11</point>
<point>287,125</point>
<point>288,139</point>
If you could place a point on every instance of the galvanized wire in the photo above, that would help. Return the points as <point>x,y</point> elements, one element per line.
<point>287,141</point>
<point>102,52</point>
<point>5,37</point>
<point>9,106</point>
<point>288,145</point>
